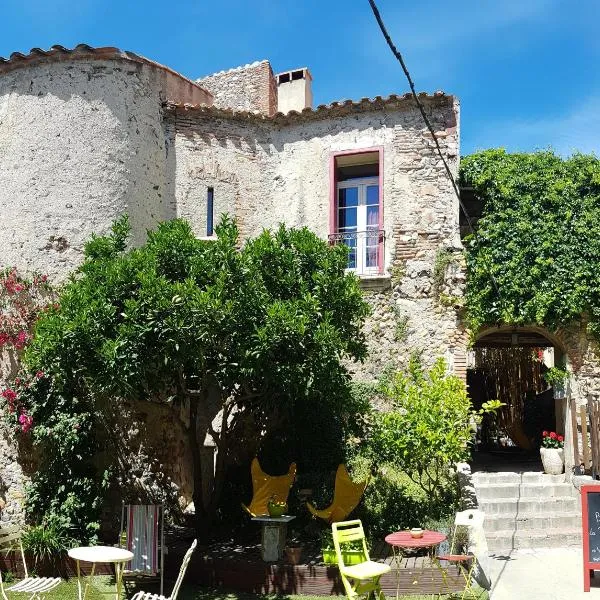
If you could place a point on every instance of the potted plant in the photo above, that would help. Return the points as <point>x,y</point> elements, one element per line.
<point>557,378</point>
<point>47,545</point>
<point>276,507</point>
<point>293,552</point>
<point>552,452</point>
<point>352,552</point>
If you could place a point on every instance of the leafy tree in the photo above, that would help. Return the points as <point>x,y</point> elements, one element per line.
<point>539,237</point>
<point>240,337</point>
<point>429,428</point>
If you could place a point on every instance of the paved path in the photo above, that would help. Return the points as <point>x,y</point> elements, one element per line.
<point>552,574</point>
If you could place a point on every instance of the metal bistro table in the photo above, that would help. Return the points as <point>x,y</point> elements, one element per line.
<point>403,540</point>
<point>274,534</point>
<point>100,554</point>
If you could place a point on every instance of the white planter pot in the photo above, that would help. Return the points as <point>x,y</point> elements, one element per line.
<point>553,460</point>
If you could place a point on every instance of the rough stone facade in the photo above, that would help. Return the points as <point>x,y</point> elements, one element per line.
<point>86,137</point>
<point>249,88</point>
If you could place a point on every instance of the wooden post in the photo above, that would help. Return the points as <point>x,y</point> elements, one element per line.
<point>584,437</point>
<point>575,436</point>
<point>593,435</point>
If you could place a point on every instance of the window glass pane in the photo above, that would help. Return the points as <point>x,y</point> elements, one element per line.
<point>351,243</point>
<point>372,239</point>
<point>372,194</point>
<point>373,216</point>
<point>348,197</point>
<point>371,257</point>
<point>346,218</point>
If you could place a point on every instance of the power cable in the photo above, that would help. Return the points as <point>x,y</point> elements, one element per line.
<point>419,104</point>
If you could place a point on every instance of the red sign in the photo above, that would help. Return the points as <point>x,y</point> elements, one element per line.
<point>590,523</point>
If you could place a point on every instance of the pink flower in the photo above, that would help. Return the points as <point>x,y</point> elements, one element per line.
<point>544,433</point>
<point>39,374</point>
<point>560,438</point>
<point>26,422</point>
<point>552,435</point>
<point>21,339</point>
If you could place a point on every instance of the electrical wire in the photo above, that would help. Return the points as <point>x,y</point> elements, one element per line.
<point>419,104</point>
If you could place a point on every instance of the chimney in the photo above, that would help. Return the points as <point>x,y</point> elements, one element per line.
<point>294,90</point>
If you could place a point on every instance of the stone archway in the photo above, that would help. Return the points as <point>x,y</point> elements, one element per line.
<point>508,363</point>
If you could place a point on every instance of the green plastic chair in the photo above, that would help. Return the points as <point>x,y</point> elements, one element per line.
<point>361,579</point>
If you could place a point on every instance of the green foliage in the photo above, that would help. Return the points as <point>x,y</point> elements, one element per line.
<point>393,501</point>
<point>556,376</point>
<point>539,237</point>
<point>443,259</point>
<point>46,542</point>
<point>8,577</point>
<point>259,333</point>
<point>430,427</point>
<point>401,330</point>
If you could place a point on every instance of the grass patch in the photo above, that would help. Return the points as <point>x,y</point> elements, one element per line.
<point>103,588</point>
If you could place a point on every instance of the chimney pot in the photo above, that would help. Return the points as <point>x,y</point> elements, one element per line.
<point>294,90</point>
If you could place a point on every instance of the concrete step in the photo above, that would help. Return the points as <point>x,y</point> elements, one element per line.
<point>532,521</point>
<point>482,478</point>
<point>519,505</point>
<point>489,491</point>
<point>506,540</point>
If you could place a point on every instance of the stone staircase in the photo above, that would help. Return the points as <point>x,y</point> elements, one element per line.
<point>528,510</point>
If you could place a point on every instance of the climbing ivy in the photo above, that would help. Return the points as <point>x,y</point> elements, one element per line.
<point>539,239</point>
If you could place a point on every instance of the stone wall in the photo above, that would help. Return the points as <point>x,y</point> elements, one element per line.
<point>81,143</point>
<point>249,88</point>
<point>266,173</point>
<point>13,467</point>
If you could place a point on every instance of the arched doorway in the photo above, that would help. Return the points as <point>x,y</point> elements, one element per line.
<point>508,363</point>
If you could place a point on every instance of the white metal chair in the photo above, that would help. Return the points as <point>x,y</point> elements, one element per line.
<point>186,559</point>
<point>472,520</point>
<point>143,533</point>
<point>36,587</point>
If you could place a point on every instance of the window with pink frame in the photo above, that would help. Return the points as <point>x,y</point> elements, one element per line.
<point>357,211</point>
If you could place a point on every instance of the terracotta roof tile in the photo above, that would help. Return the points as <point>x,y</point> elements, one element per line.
<point>324,110</point>
<point>185,89</point>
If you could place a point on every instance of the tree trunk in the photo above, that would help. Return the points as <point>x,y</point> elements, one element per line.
<point>203,520</point>
<point>220,472</point>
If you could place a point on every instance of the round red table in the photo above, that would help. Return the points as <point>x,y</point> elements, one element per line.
<point>402,540</point>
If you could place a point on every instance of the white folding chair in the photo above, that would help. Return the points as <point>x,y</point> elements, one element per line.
<point>143,533</point>
<point>36,587</point>
<point>186,559</point>
<point>472,520</point>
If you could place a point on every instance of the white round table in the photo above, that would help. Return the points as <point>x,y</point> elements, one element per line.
<point>100,554</point>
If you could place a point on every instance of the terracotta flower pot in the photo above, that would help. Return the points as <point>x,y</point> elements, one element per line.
<point>293,554</point>
<point>553,460</point>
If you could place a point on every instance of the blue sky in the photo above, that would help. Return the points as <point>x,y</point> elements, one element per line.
<point>526,71</point>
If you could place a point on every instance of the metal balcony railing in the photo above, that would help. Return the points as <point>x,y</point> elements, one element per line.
<point>367,249</point>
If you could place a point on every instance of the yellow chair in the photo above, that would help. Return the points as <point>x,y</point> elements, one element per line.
<point>265,487</point>
<point>346,497</point>
<point>361,579</point>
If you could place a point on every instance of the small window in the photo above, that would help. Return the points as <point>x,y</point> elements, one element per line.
<point>357,211</point>
<point>210,197</point>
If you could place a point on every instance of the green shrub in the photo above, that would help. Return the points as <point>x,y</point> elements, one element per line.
<point>430,427</point>
<point>393,502</point>
<point>46,542</point>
